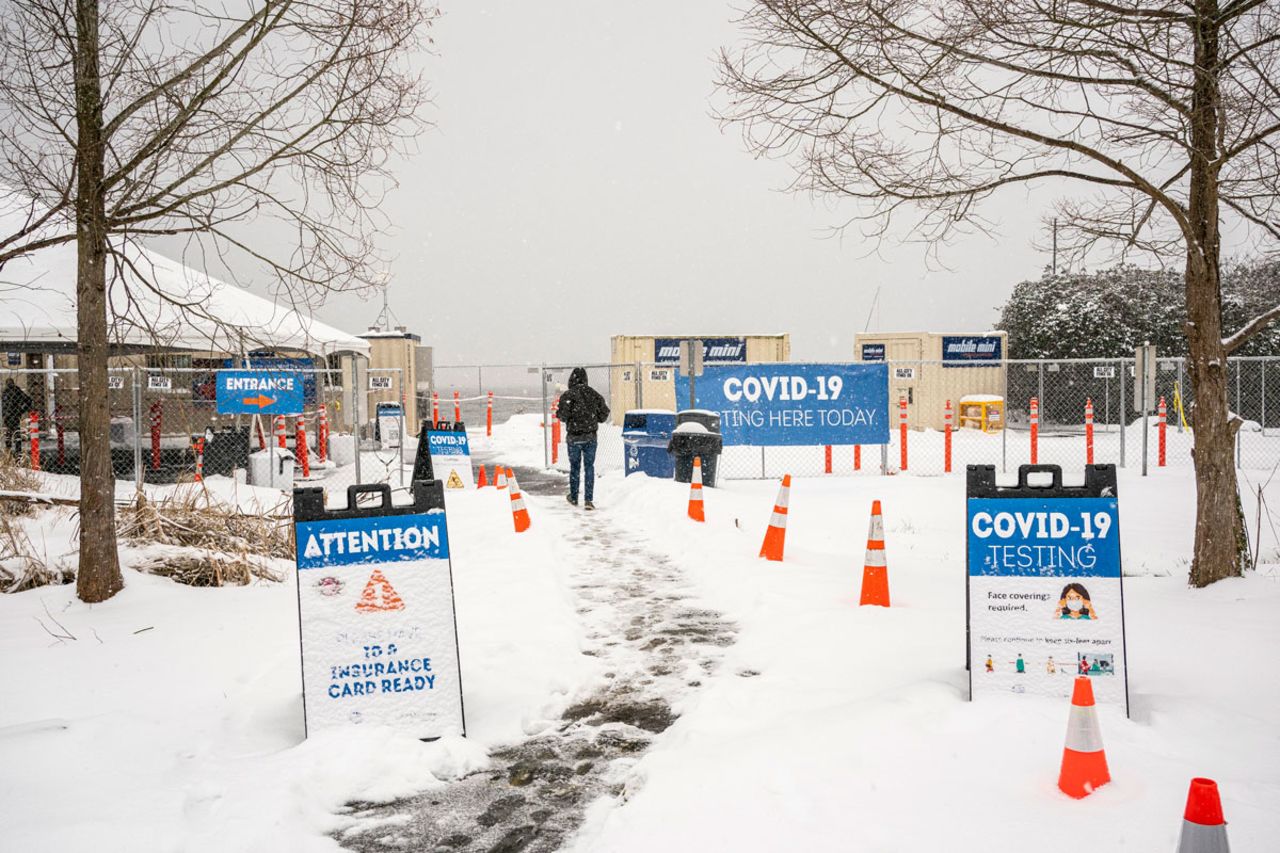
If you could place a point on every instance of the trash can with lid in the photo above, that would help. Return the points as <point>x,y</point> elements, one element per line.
<point>645,435</point>
<point>697,433</point>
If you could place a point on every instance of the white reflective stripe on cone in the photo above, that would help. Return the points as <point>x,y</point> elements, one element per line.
<point>697,474</point>
<point>784,494</point>
<point>778,519</point>
<point>1203,839</point>
<point>695,495</point>
<point>875,558</point>
<point>1083,732</point>
<point>877,528</point>
<point>517,504</point>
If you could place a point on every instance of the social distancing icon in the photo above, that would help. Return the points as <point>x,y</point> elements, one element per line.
<point>379,595</point>
<point>454,481</point>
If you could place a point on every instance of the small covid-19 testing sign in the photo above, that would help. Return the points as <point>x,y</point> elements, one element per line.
<point>1045,592</point>
<point>376,613</point>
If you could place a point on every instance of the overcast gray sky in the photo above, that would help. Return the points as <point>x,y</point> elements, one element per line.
<point>575,186</point>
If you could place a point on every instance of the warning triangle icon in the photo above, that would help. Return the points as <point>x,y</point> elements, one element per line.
<point>379,595</point>
<point>454,481</point>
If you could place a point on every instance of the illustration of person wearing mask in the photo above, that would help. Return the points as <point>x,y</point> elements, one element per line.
<point>1051,667</point>
<point>1075,604</point>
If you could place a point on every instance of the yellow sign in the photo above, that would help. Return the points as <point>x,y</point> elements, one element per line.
<point>454,481</point>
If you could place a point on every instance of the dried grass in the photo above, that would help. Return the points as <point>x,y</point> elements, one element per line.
<point>21,567</point>
<point>189,519</point>
<point>228,545</point>
<point>209,569</point>
<point>15,478</point>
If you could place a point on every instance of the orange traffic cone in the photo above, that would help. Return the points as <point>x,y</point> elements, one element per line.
<point>777,532</point>
<point>695,492</point>
<point>1203,829</point>
<point>1084,764</point>
<point>875,570</point>
<point>499,477</point>
<point>519,514</point>
<point>483,481</point>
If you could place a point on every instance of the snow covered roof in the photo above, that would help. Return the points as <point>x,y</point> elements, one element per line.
<point>37,305</point>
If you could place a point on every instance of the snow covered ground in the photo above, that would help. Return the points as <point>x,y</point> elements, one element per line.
<point>174,714</point>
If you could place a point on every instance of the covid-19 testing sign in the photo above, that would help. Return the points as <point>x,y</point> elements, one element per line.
<point>796,404</point>
<point>1045,592</point>
<point>376,614</point>
<point>450,458</point>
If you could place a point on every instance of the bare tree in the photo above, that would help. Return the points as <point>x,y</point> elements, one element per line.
<point>136,118</point>
<point>1165,113</point>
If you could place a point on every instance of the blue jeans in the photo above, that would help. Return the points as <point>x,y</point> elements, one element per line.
<point>582,454</point>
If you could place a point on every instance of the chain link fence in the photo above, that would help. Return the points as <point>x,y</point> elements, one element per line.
<point>165,427</point>
<point>990,410</point>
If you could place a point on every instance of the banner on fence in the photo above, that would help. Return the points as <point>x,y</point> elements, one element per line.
<point>376,613</point>
<point>259,392</point>
<point>796,404</point>
<point>1045,593</point>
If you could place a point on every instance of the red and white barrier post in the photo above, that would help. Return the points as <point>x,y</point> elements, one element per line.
<point>902,431</point>
<point>435,407</point>
<point>322,434</point>
<point>300,446</point>
<point>1162,423</point>
<point>457,408</point>
<point>199,445</point>
<point>946,456</point>
<point>157,422</point>
<point>58,426</point>
<point>1035,430</point>
<point>488,416</point>
<point>262,439</point>
<point>555,431</point>
<point>827,453</point>
<point>1088,431</point>
<point>33,433</point>
<point>282,439</point>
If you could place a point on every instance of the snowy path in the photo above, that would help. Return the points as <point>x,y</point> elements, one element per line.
<point>656,645</point>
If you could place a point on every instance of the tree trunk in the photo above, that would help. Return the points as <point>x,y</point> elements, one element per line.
<point>1218,553</point>
<point>98,577</point>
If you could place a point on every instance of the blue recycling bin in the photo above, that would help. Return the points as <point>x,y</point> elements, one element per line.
<point>645,434</point>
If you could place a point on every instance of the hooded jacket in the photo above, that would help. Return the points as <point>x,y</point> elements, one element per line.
<point>581,408</point>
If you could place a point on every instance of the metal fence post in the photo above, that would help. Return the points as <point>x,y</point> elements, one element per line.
<point>1004,423</point>
<point>403,405</point>
<point>137,430</point>
<point>546,417</point>
<point>1240,415</point>
<point>639,388</point>
<point>1182,395</point>
<point>355,411</point>
<point>1123,417</point>
<point>1263,365</point>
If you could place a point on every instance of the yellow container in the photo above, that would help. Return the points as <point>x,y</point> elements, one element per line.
<point>982,411</point>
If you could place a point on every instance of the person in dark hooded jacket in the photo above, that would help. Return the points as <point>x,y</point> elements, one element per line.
<point>581,410</point>
<point>16,403</point>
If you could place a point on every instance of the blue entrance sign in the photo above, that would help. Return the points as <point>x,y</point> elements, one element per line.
<point>796,404</point>
<point>667,350</point>
<point>1045,592</point>
<point>259,392</point>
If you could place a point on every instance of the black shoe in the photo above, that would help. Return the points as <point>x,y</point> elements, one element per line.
<point>571,499</point>
<point>588,505</point>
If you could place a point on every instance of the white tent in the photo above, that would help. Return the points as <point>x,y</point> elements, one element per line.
<point>190,311</point>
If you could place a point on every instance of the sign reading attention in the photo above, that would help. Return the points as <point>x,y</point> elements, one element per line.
<point>376,613</point>
<point>259,392</point>
<point>796,404</point>
<point>1045,592</point>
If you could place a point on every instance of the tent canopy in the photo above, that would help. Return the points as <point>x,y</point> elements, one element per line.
<point>153,302</point>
